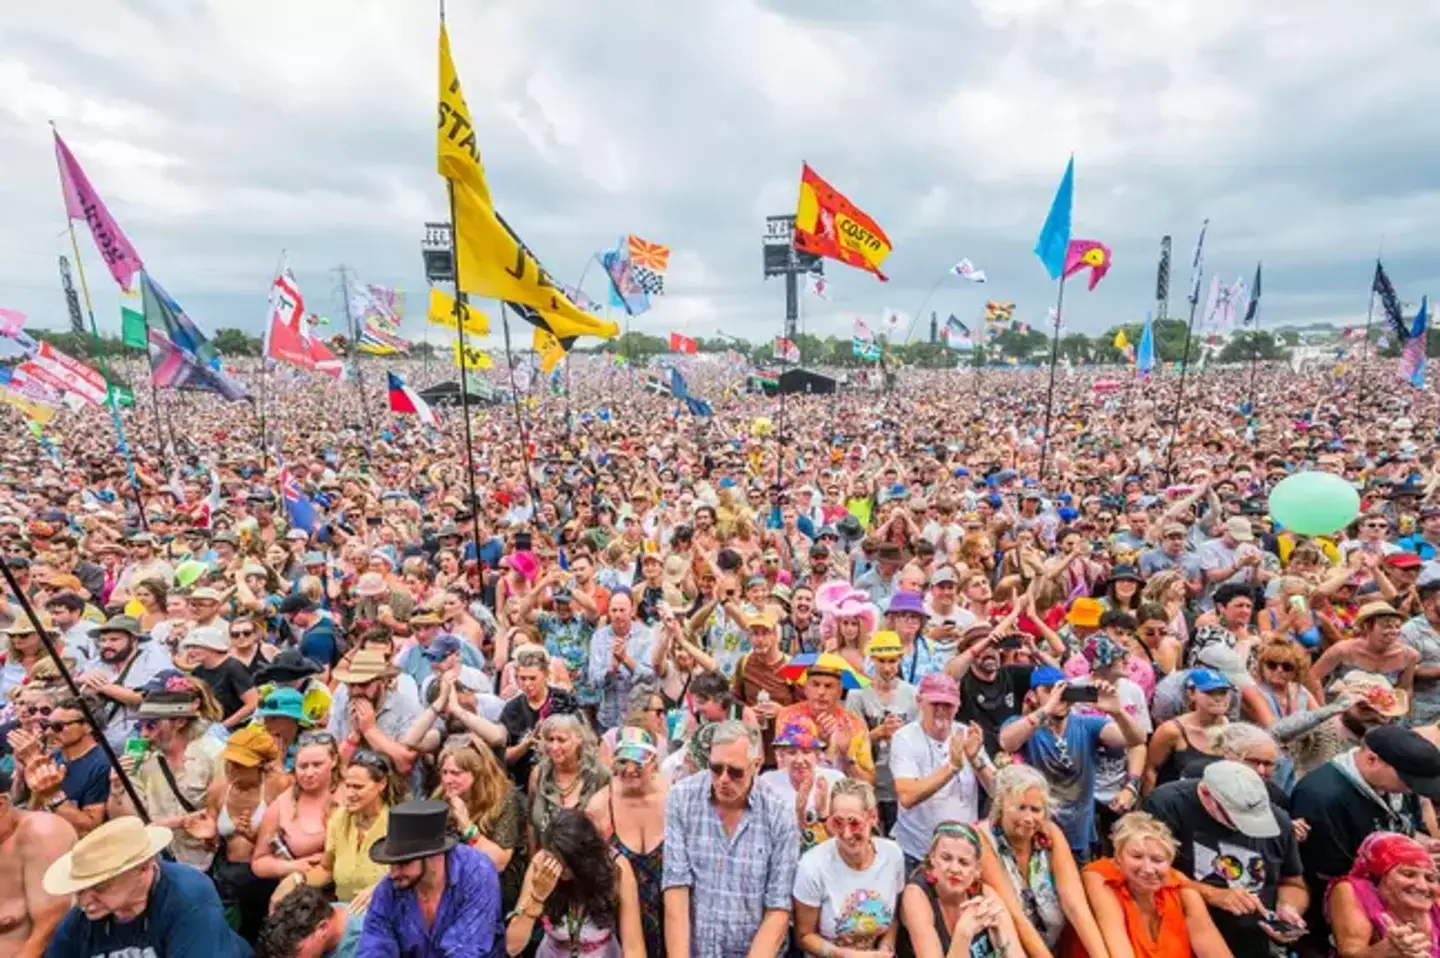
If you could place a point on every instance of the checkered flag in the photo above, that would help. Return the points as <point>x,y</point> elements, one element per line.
<point>648,279</point>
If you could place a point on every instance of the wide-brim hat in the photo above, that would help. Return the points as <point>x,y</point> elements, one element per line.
<point>365,666</point>
<point>288,666</point>
<point>112,849</point>
<point>284,703</point>
<point>416,830</point>
<point>164,703</point>
<point>371,585</point>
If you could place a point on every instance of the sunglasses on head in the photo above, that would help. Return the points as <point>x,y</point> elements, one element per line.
<point>370,759</point>
<point>315,738</point>
<point>732,772</point>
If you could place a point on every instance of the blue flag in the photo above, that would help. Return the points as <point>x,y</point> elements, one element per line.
<point>298,506</point>
<point>1145,352</point>
<point>1054,238</point>
<point>1412,359</point>
<point>678,387</point>
<point>625,290</point>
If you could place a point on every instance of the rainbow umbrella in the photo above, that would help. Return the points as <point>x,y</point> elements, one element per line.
<point>796,669</point>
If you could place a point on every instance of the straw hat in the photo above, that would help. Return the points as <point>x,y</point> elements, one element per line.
<point>112,849</point>
<point>367,665</point>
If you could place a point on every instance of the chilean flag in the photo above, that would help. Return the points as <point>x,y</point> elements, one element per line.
<point>403,399</point>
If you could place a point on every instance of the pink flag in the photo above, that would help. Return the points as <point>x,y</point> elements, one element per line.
<point>1083,253</point>
<point>83,203</point>
<point>11,322</point>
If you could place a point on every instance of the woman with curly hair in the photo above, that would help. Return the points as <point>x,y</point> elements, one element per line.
<point>947,909</point>
<point>582,895</point>
<point>1167,589</point>
<point>568,773</point>
<point>486,809</point>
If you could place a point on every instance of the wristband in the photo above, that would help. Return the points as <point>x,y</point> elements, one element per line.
<point>468,836</point>
<point>56,802</point>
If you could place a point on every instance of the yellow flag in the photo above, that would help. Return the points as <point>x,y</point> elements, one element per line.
<point>442,313</point>
<point>490,259</point>
<point>474,358</point>
<point>550,349</point>
<point>457,150</point>
<point>1120,341</point>
<point>39,412</point>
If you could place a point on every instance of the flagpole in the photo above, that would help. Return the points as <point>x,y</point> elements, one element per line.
<point>1365,348</point>
<point>264,370</point>
<point>352,325</point>
<point>923,303</point>
<point>515,397</point>
<point>1184,368</point>
<point>1050,391</point>
<point>460,318</point>
<point>110,399</point>
<point>1255,351</point>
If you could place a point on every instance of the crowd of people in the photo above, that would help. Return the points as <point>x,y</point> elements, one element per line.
<point>880,672</point>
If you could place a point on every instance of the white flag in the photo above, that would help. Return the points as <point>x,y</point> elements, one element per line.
<point>816,284</point>
<point>966,270</point>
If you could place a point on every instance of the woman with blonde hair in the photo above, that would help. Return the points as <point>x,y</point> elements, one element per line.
<point>1167,589</point>
<point>291,838</point>
<point>948,909</point>
<point>487,810</point>
<point>1287,614</point>
<point>1144,907</point>
<point>569,771</point>
<point>1028,863</point>
<point>1282,668</point>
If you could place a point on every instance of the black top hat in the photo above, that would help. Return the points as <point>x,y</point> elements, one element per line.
<point>417,830</point>
<point>288,666</point>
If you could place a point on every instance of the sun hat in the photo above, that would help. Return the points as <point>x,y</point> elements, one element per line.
<point>284,703</point>
<point>1208,680</point>
<point>416,830</point>
<point>168,703</point>
<point>634,745</point>
<point>1101,650</point>
<point>216,638</point>
<point>111,849</point>
<point>120,623</point>
<point>1085,612</point>
<point>428,617</point>
<point>884,644</point>
<point>903,603</point>
<point>1241,792</point>
<point>371,585</point>
<point>1238,528</point>
<point>938,687</point>
<point>366,665</point>
<point>251,747</point>
<point>23,626</point>
<point>1413,758</point>
<point>1376,691</point>
<point>206,594</point>
<point>288,666</point>
<point>799,733</point>
<point>1376,610</point>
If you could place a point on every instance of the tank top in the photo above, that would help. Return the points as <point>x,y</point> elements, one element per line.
<point>649,869</point>
<point>1375,910</point>
<point>1174,767</point>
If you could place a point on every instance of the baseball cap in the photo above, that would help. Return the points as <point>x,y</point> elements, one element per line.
<point>1414,759</point>
<point>1205,680</point>
<point>1240,791</point>
<point>213,637</point>
<point>1046,675</point>
<point>441,646</point>
<point>938,687</point>
<point>943,575</point>
<point>295,603</point>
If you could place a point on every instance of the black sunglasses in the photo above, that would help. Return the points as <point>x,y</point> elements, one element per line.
<point>59,725</point>
<point>734,773</point>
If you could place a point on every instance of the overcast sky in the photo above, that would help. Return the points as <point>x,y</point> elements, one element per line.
<point>223,131</point>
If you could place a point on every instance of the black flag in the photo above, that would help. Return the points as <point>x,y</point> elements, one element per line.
<point>1254,307</point>
<point>1390,302</point>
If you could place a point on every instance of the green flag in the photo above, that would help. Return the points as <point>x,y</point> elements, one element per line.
<point>122,395</point>
<point>132,321</point>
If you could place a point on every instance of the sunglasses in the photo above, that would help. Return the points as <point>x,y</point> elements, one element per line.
<point>59,725</point>
<point>371,759</point>
<point>845,824</point>
<point>732,772</point>
<point>315,738</point>
<point>39,710</point>
<point>1282,666</point>
<point>241,633</point>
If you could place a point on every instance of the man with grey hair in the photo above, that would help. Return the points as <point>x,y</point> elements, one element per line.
<point>732,846</point>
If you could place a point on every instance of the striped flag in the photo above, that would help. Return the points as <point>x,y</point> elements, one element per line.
<point>1412,358</point>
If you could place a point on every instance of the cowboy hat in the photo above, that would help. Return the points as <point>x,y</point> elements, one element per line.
<point>366,666</point>
<point>112,849</point>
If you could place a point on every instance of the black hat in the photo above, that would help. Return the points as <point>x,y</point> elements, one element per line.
<point>1413,758</point>
<point>1125,573</point>
<point>296,603</point>
<point>417,830</point>
<point>288,666</point>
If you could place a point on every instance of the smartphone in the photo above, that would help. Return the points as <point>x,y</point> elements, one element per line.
<point>1299,603</point>
<point>1281,925</point>
<point>1080,693</point>
<point>1010,644</point>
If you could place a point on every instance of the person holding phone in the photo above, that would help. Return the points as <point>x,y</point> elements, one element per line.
<point>1065,746</point>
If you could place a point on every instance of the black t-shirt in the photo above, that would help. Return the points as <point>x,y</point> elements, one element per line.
<point>229,681</point>
<point>989,704</point>
<point>1340,815</point>
<point>648,608</point>
<point>1213,854</point>
<point>519,718</point>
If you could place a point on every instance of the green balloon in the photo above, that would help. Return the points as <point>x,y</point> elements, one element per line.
<point>1314,503</point>
<point>187,572</point>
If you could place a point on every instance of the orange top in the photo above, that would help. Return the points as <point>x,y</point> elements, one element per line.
<point>1174,938</point>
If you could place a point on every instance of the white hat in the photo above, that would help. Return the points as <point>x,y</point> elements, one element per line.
<point>1241,792</point>
<point>216,638</point>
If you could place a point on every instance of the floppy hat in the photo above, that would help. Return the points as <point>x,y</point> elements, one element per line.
<point>112,849</point>
<point>367,665</point>
<point>22,624</point>
<point>1085,612</point>
<point>288,666</point>
<point>1240,791</point>
<point>284,703</point>
<point>416,830</point>
<point>370,585</point>
<point>1376,691</point>
<point>121,623</point>
<point>938,687</point>
<point>906,602</point>
<point>251,747</point>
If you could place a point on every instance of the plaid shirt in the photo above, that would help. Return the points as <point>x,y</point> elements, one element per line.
<point>733,879</point>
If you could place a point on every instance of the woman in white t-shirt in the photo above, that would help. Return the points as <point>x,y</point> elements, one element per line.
<point>847,888</point>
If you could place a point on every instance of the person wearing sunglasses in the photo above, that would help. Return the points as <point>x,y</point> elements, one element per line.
<point>630,814</point>
<point>73,779</point>
<point>731,850</point>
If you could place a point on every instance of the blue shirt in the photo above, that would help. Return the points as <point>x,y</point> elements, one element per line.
<point>319,643</point>
<point>87,778</point>
<point>615,686</point>
<point>467,924</point>
<point>1069,765</point>
<point>1419,545</point>
<point>414,663</point>
<point>182,919</point>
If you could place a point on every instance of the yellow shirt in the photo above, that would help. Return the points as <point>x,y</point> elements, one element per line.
<point>354,871</point>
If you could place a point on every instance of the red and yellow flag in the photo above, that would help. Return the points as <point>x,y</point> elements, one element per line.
<point>828,224</point>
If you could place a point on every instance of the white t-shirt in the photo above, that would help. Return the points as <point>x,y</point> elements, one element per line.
<point>913,754</point>
<point>856,908</point>
<point>778,781</point>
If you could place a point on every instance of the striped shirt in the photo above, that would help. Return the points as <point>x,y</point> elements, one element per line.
<point>733,878</point>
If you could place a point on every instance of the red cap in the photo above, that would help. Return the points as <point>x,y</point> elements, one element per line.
<point>1403,560</point>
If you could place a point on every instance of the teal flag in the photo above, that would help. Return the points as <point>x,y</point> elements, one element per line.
<point>1054,238</point>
